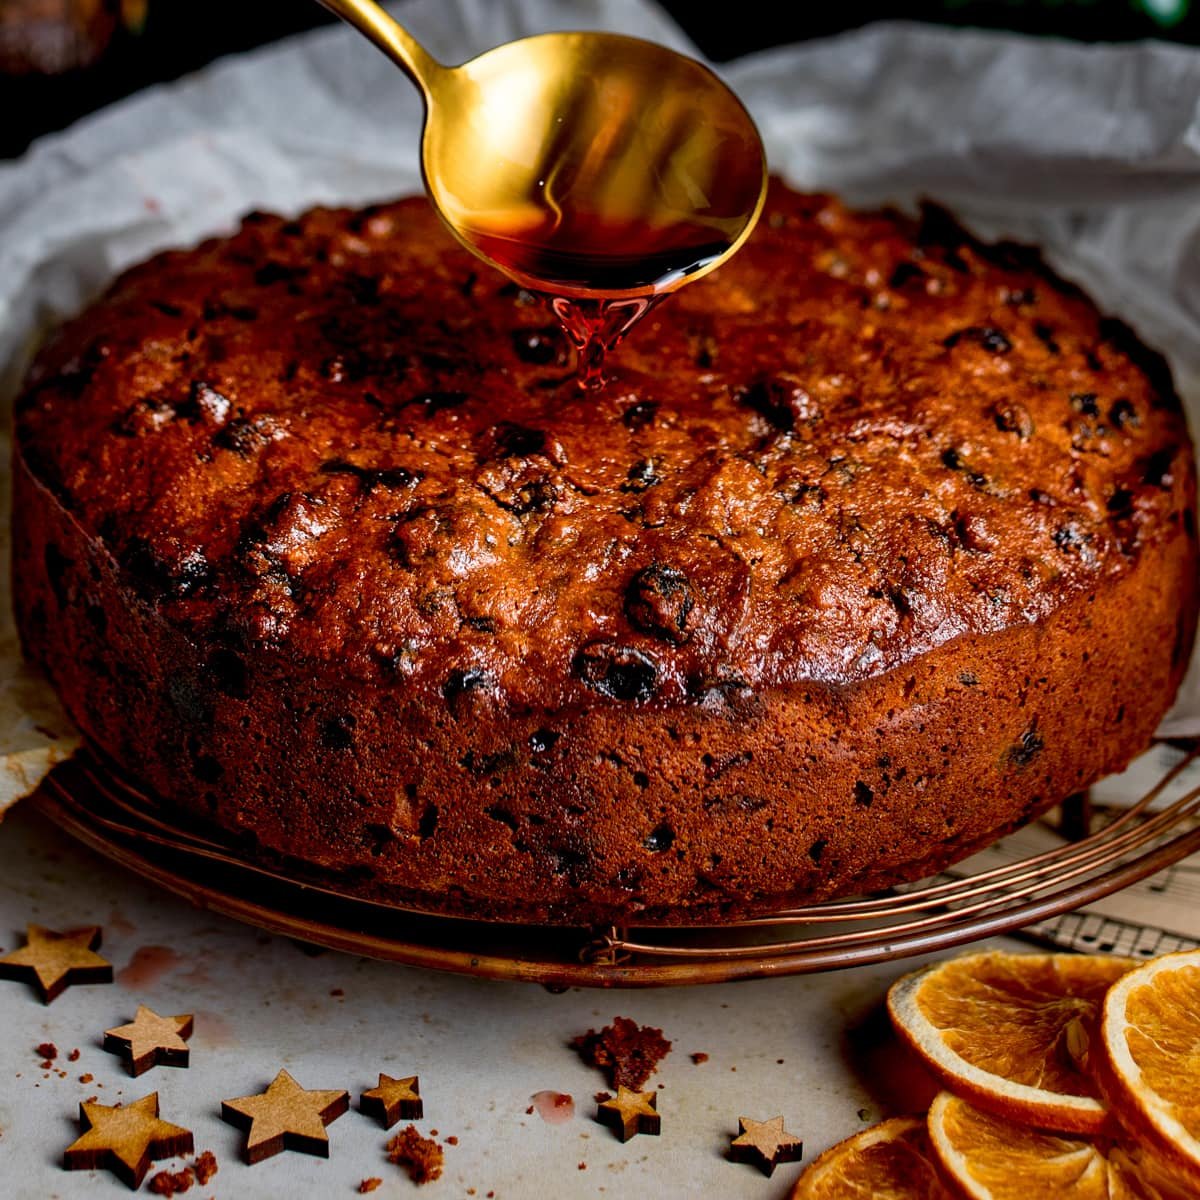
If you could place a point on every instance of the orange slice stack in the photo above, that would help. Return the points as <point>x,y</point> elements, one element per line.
<point>1067,1077</point>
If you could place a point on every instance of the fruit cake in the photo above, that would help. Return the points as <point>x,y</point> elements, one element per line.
<point>878,542</point>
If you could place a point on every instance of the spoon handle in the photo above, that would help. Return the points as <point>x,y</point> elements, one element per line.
<point>392,38</point>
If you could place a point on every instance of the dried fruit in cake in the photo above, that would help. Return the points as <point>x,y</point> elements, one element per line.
<point>1011,1032</point>
<point>1149,1061</point>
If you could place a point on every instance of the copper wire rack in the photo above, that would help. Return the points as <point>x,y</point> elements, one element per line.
<point>1108,850</point>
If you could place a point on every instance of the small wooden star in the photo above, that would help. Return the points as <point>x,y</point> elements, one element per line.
<point>52,961</point>
<point>394,1100</point>
<point>285,1117</point>
<point>629,1113</point>
<point>766,1144</point>
<point>149,1040</point>
<point>125,1139</point>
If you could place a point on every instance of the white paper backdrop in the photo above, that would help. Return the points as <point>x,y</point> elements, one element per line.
<point>1092,152</point>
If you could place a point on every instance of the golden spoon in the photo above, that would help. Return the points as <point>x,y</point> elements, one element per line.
<point>599,169</point>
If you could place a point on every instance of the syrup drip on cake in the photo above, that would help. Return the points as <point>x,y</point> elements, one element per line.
<point>594,327</point>
<point>599,276</point>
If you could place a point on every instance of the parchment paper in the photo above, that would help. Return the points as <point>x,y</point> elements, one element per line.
<point>1092,152</point>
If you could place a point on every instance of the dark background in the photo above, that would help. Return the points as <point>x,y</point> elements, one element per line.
<point>136,42</point>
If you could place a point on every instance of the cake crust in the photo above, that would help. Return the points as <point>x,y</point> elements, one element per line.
<point>878,542</point>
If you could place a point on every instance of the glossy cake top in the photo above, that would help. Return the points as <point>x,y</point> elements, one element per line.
<point>344,440</point>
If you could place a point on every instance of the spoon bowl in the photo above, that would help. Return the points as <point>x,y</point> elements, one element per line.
<point>591,166</point>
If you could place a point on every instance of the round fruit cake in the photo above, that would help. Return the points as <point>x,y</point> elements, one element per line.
<point>878,542</point>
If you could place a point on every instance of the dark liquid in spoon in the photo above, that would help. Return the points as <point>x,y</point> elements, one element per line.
<point>587,268</point>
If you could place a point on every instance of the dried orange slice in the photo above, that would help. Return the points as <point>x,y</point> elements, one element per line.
<point>1011,1032</point>
<point>1150,1065</point>
<point>988,1158</point>
<point>889,1161</point>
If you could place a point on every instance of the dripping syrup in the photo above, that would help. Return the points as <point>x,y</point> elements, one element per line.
<point>599,277</point>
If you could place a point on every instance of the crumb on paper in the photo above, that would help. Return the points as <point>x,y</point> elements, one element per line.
<point>73,1056</point>
<point>205,1167</point>
<point>47,1050</point>
<point>699,1057</point>
<point>171,1183</point>
<point>626,1052</point>
<point>369,1185</point>
<point>87,1077</point>
<point>452,1140</point>
<point>420,1156</point>
<point>602,1097</point>
<point>583,1166</point>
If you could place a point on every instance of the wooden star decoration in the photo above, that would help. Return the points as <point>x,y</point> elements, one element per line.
<point>51,961</point>
<point>150,1040</point>
<point>393,1100</point>
<point>629,1113</point>
<point>125,1139</point>
<point>285,1117</point>
<point>766,1144</point>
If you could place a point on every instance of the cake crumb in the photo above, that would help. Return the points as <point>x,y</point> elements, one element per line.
<point>420,1156</point>
<point>369,1185</point>
<point>627,1053</point>
<point>529,1111</point>
<point>583,1166</point>
<point>73,1056</point>
<point>452,1140</point>
<point>699,1057</point>
<point>601,1097</point>
<point>47,1050</point>
<point>205,1167</point>
<point>86,1078</point>
<point>171,1183</point>
<point>337,992</point>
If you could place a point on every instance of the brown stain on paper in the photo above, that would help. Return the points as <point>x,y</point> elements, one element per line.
<point>147,966</point>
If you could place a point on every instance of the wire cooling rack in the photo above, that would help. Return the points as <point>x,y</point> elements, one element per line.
<point>1099,853</point>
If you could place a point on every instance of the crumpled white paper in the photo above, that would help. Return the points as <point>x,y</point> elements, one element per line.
<point>1092,152</point>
